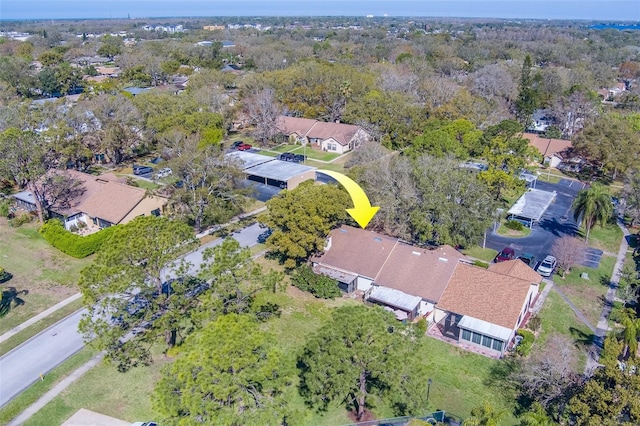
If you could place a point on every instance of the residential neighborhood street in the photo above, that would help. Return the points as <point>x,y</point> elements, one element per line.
<point>23,366</point>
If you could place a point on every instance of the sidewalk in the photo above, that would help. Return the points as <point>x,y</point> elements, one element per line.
<point>603,323</point>
<point>15,330</point>
<point>55,391</point>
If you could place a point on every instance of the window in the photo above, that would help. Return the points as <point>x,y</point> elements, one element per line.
<point>486,341</point>
<point>477,338</point>
<point>497,345</point>
<point>466,335</point>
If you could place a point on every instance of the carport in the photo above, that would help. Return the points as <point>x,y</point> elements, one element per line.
<point>283,174</point>
<point>269,171</point>
<point>531,206</point>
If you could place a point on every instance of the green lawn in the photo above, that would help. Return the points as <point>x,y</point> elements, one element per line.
<point>478,252</point>
<point>552,178</point>
<point>511,233</point>
<point>42,274</point>
<point>588,295</point>
<point>607,238</point>
<point>461,380</point>
<point>558,318</point>
<point>309,152</point>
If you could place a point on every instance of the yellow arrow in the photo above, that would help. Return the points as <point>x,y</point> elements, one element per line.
<point>362,212</point>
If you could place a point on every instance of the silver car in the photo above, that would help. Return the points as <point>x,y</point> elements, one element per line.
<point>547,266</point>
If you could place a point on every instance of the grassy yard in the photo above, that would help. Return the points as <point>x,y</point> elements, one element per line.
<point>551,178</point>
<point>558,318</point>
<point>588,295</point>
<point>461,380</point>
<point>512,233</point>
<point>478,252</point>
<point>309,152</point>
<point>607,238</point>
<point>42,274</point>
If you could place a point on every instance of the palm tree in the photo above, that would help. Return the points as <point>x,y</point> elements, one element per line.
<point>592,205</point>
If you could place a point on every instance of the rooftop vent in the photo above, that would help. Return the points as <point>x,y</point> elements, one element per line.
<point>443,259</point>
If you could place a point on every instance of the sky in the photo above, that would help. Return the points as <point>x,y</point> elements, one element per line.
<point>604,10</point>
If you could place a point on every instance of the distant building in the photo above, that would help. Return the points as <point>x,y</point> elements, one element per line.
<point>213,27</point>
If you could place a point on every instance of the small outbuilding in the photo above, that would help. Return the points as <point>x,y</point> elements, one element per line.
<point>531,206</point>
<point>270,171</point>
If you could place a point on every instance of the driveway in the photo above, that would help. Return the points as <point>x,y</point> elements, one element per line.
<point>22,366</point>
<point>556,222</point>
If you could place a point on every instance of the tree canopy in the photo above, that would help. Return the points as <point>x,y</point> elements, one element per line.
<point>124,289</point>
<point>302,218</point>
<point>228,373</point>
<point>361,352</point>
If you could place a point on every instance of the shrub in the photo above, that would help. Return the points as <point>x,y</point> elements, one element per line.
<point>526,344</point>
<point>20,220</point>
<point>5,205</point>
<point>481,264</point>
<point>72,244</point>
<point>515,225</point>
<point>534,323</point>
<point>320,286</point>
<point>421,326</point>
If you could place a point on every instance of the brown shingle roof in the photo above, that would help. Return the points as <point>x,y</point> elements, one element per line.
<point>290,125</point>
<point>104,196</point>
<point>419,272</point>
<point>357,250</point>
<point>485,295</point>
<point>517,269</point>
<point>546,146</point>
<point>341,133</point>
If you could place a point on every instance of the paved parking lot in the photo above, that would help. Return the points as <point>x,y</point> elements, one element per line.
<point>556,222</point>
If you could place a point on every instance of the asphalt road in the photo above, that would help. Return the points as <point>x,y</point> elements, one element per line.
<point>556,222</point>
<point>22,366</point>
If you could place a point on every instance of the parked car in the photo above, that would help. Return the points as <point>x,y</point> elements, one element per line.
<point>142,170</point>
<point>262,238</point>
<point>299,158</point>
<point>286,156</point>
<point>507,253</point>
<point>547,266</point>
<point>236,144</point>
<point>144,424</point>
<point>529,259</point>
<point>244,147</point>
<point>163,173</point>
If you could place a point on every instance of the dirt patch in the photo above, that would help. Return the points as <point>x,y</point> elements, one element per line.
<point>366,417</point>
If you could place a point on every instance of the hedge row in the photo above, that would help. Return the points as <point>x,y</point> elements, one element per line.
<point>72,244</point>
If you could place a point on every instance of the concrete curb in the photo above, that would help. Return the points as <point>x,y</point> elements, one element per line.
<point>15,330</point>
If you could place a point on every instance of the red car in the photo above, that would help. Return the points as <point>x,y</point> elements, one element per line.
<point>507,253</point>
<point>244,147</point>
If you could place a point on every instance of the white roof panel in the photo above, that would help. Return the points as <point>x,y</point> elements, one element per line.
<point>532,204</point>
<point>395,298</point>
<point>486,328</point>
